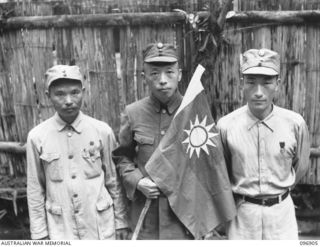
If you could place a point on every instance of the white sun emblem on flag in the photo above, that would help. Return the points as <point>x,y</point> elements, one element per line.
<point>199,137</point>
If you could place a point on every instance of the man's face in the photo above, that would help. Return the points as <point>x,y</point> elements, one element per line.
<point>259,91</point>
<point>66,97</point>
<point>163,79</point>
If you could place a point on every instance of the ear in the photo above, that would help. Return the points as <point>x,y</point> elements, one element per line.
<point>180,75</point>
<point>241,90</point>
<point>47,93</point>
<point>142,75</point>
<point>241,82</point>
<point>241,60</point>
<point>278,83</point>
<point>83,89</point>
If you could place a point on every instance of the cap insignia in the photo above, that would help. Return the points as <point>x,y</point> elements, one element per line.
<point>159,45</point>
<point>261,53</point>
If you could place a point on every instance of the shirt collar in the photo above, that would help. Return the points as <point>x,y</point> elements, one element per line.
<point>76,124</point>
<point>268,121</point>
<point>173,104</point>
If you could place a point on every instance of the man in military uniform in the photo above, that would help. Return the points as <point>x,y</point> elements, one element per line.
<point>267,152</point>
<point>143,124</point>
<point>73,189</point>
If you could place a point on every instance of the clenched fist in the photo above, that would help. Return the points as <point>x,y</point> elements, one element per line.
<point>148,188</point>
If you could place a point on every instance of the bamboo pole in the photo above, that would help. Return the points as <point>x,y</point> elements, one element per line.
<point>315,152</point>
<point>90,20</point>
<point>153,18</point>
<point>280,17</point>
<point>13,147</point>
<point>141,219</point>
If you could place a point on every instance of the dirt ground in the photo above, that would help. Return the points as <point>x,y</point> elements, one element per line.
<point>15,230</point>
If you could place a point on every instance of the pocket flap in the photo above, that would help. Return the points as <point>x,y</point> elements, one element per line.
<point>54,209</point>
<point>104,203</point>
<point>49,157</point>
<point>142,139</point>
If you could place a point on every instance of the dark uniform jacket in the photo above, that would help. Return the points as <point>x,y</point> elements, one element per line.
<point>143,124</point>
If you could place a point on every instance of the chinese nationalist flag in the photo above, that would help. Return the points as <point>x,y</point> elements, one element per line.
<point>188,165</point>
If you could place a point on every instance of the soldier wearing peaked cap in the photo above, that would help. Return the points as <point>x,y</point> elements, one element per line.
<point>143,124</point>
<point>73,188</point>
<point>267,152</point>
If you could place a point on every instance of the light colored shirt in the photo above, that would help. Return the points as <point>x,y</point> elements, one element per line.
<point>72,185</point>
<point>264,157</point>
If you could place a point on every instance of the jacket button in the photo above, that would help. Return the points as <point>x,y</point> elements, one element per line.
<point>73,176</point>
<point>75,195</point>
<point>70,156</point>
<point>162,132</point>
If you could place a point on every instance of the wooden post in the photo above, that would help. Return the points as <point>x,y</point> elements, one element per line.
<point>276,17</point>
<point>13,147</point>
<point>123,19</point>
<point>97,20</point>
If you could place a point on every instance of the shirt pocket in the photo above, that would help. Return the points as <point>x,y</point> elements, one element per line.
<point>104,202</point>
<point>55,220</point>
<point>286,155</point>
<point>105,216</point>
<point>145,146</point>
<point>54,166</point>
<point>287,150</point>
<point>93,164</point>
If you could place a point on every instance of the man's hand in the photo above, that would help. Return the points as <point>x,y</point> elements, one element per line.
<point>122,234</point>
<point>214,234</point>
<point>148,188</point>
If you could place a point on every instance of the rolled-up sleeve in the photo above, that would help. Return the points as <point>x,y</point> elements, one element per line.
<point>301,161</point>
<point>123,157</point>
<point>36,192</point>
<point>113,184</point>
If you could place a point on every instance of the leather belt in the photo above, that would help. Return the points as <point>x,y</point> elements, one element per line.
<point>268,201</point>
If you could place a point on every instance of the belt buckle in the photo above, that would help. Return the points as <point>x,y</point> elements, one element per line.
<point>266,202</point>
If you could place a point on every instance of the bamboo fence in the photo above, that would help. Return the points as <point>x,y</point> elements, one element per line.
<point>107,46</point>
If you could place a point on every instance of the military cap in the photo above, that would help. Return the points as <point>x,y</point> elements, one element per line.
<point>159,52</point>
<point>63,72</point>
<point>263,61</point>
